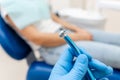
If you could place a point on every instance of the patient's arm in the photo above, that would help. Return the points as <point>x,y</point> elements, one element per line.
<point>47,39</point>
<point>44,39</point>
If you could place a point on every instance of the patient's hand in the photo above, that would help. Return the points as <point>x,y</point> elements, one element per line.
<point>84,33</point>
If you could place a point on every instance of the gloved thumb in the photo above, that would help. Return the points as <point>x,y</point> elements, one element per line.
<point>80,68</point>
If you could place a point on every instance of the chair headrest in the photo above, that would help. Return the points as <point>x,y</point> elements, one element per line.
<point>12,43</point>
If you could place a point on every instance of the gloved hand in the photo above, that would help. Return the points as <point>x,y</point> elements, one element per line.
<point>67,69</point>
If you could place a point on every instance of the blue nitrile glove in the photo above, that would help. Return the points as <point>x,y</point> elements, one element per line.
<point>67,69</point>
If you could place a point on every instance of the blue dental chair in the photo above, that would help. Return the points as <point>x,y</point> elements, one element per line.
<point>18,49</point>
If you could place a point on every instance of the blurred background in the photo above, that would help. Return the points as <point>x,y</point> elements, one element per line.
<point>16,70</point>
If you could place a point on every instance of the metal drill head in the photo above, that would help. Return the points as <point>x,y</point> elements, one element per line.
<point>62,33</point>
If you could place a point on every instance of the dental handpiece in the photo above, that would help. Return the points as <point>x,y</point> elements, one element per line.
<point>74,46</point>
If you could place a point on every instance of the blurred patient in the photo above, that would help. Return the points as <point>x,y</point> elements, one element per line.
<point>36,23</point>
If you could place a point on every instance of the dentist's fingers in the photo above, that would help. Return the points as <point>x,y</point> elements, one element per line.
<point>100,69</point>
<point>65,63</point>
<point>80,68</point>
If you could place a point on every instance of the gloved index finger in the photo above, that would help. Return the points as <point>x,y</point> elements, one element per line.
<point>83,51</point>
<point>66,57</point>
<point>64,64</point>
